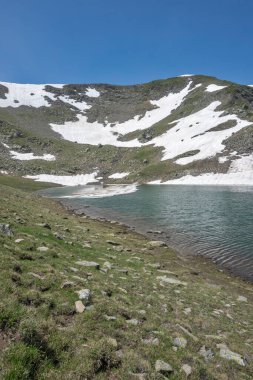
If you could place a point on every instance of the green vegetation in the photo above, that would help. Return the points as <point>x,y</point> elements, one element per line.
<point>132,316</point>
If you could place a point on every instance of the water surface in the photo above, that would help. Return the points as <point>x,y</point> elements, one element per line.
<point>216,222</point>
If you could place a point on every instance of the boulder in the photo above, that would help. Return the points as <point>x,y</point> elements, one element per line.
<point>79,307</point>
<point>91,264</point>
<point>163,367</point>
<point>6,230</point>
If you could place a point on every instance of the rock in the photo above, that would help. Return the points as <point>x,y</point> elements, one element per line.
<point>207,354</point>
<point>187,369</point>
<point>242,299</point>
<point>112,242</point>
<point>187,311</point>
<point>42,249</point>
<point>110,318</point>
<point>79,307</point>
<point>151,341</point>
<point>84,295</point>
<point>19,241</point>
<point>107,265</point>
<point>91,264</point>
<point>163,367</point>
<point>180,342</point>
<point>133,322</point>
<point>226,353</point>
<point>157,243</point>
<point>171,280</point>
<point>193,337</point>
<point>58,236</point>
<point>113,342</point>
<point>67,284</point>
<point>6,230</point>
<point>155,265</point>
<point>44,225</point>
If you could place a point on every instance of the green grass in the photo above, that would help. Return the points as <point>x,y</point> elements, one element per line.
<point>44,338</point>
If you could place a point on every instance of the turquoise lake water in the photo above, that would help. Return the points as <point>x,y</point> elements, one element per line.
<point>216,222</point>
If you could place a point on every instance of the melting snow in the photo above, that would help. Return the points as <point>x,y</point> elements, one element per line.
<point>118,175</point>
<point>190,133</point>
<point>214,87</point>
<point>92,92</point>
<point>29,156</point>
<point>95,133</point>
<point>239,173</point>
<point>68,180</point>
<point>101,192</point>
<point>32,95</point>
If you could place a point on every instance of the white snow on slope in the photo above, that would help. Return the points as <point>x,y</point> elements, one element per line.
<point>214,87</point>
<point>250,85</point>
<point>239,173</point>
<point>101,192</point>
<point>118,175</point>
<point>29,156</point>
<point>25,95</point>
<point>82,106</point>
<point>67,180</point>
<point>92,92</point>
<point>186,75</point>
<point>95,133</point>
<point>190,133</point>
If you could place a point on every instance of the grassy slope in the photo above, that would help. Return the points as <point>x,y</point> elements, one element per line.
<point>42,337</point>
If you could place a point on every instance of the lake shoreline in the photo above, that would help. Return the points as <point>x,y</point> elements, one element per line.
<point>151,235</point>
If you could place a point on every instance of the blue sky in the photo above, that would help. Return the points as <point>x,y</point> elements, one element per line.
<point>124,41</point>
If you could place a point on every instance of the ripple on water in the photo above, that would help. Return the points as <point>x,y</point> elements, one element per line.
<point>216,222</point>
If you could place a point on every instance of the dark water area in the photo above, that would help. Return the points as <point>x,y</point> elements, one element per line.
<point>215,222</point>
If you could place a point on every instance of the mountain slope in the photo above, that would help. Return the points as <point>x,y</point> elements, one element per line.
<point>185,129</point>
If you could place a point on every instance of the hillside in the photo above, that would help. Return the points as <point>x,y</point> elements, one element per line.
<point>188,129</point>
<point>85,299</point>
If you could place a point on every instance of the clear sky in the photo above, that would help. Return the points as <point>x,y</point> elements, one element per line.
<point>124,41</point>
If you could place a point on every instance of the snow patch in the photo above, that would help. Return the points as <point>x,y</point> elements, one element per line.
<point>79,179</point>
<point>186,75</point>
<point>101,192</point>
<point>3,172</point>
<point>28,156</point>
<point>92,92</point>
<point>214,87</point>
<point>118,175</point>
<point>96,133</point>
<point>31,95</point>
<point>190,134</point>
<point>239,173</point>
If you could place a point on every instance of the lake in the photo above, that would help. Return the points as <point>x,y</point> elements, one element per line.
<point>216,222</point>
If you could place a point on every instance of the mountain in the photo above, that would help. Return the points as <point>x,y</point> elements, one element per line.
<point>188,129</point>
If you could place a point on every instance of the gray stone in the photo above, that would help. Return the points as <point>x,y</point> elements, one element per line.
<point>163,367</point>
<point>180,342</point>
<point>226,353</point>
<point>6,230</point>
<point>187,369</point>
<point>206,353</point>
<point>157,243</point>
<point>84,295</point>
<point>91,264</point>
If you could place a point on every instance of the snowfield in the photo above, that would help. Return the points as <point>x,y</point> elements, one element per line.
<point>191,133</point>
<point>68,180</point>
<point>28,156</point>
<point>239,173</point>
<point>92,92</point>
<point>214,87</point>
<point>118,175</point>
<point>83,132</point>
<point>31,95</point>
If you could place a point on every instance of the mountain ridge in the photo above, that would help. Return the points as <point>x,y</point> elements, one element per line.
<point>128,129</point>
